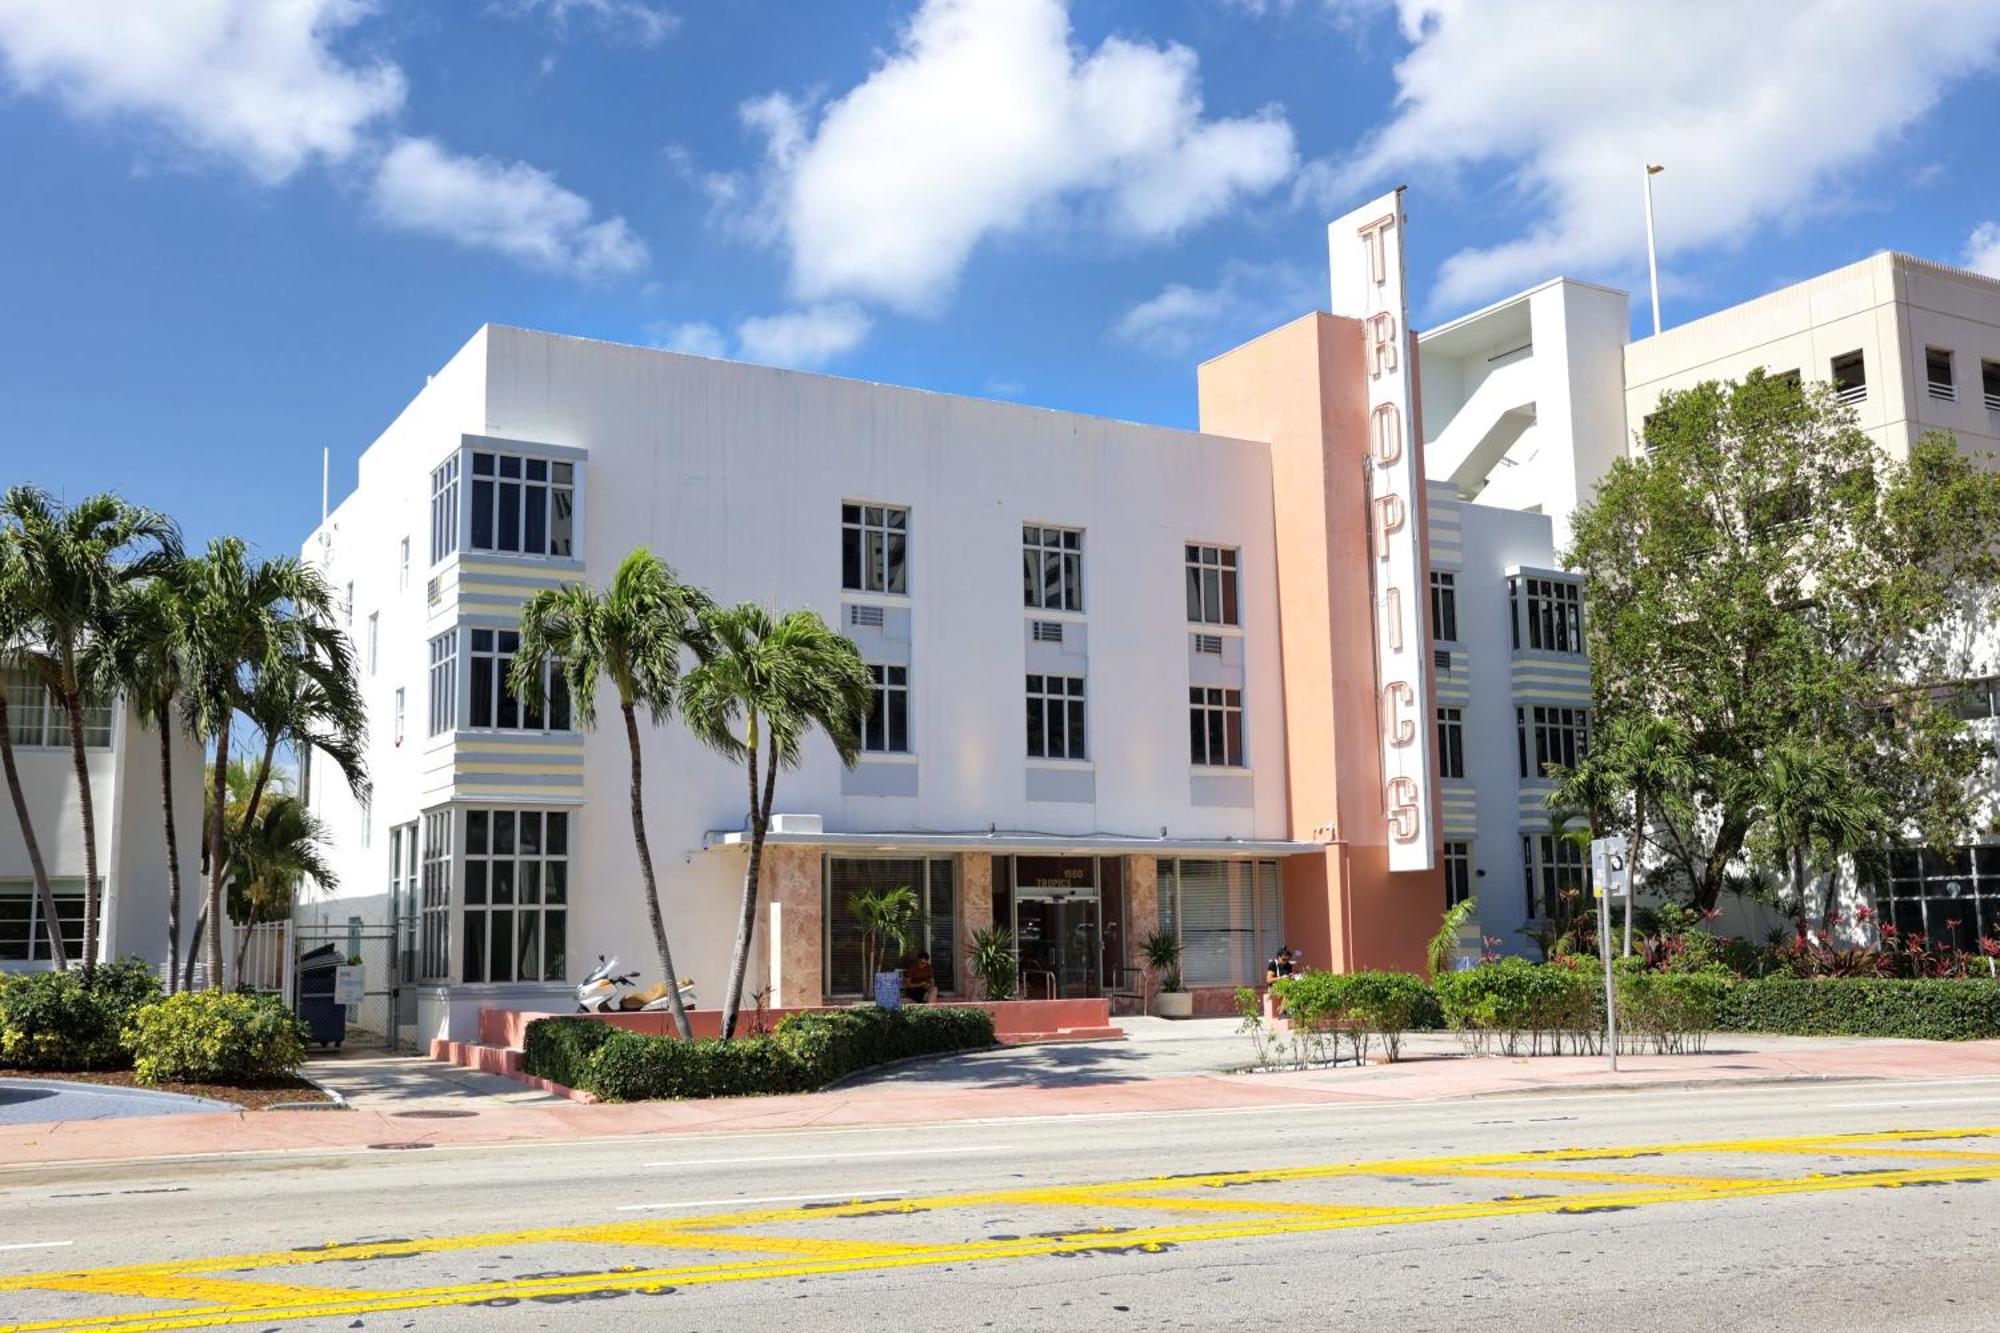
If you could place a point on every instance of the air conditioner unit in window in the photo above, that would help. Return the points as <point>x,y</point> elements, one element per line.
<point>1442,656</point>
<point>869,617</point>
<point>1048,631</point>
<point>1208,643</point>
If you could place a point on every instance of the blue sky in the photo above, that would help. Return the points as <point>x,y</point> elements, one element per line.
<point>237,231</point>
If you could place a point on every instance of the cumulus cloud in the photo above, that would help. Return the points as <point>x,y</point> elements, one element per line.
<point>254,82</point>
<point>983,120</point>
<point>1755,110</point>
<point>1982,249</point>
<point>803,339</point>
<point>1185,322</point>
<point>633,21</point>
<point>261,84</point>
<point>510,208</point>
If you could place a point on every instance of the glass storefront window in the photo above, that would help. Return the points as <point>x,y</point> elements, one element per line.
<point>935,882</point>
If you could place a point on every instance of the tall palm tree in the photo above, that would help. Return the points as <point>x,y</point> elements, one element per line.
<point>1813,814</point>
<point>247,620</point>
<point>633,635</point>
<point>764,685</point>
<point>13,639</point>
<point>272,855</point>
<point>76,559</point>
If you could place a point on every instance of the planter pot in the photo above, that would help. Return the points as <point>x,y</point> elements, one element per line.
<point>889,989</point>
<point>1174,1004</point>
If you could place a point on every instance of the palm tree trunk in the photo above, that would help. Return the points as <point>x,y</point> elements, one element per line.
<point>243,942</point>
<point>194,938</point>
<point>46,894</point>
<point>1799,884</point>
<point>92,886</point>
<point>217,821</point>
<point>672,977</point>
<point>164,718</point>
<point>746,921</point>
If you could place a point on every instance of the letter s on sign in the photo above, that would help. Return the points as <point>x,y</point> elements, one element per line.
<point>1403,816</point>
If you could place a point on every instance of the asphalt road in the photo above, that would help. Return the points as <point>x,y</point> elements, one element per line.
<point>1824,1207</point>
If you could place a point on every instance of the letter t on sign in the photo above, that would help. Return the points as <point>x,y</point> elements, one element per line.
<point>1372,234</point>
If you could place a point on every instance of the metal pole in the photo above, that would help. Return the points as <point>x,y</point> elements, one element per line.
<point>1610,990</point>
<point>1652,256</point>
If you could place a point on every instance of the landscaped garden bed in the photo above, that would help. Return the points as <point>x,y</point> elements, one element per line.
<point>280,1092</point>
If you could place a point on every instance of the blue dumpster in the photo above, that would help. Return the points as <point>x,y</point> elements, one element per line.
<point>324,1020</point>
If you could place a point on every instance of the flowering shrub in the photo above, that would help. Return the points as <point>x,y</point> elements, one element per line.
<point>216,1037</point>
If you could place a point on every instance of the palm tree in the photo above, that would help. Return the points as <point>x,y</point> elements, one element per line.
<point>632,634</point>
<point>13,638</point>
<point>76,560</point>
<point>272,855</point>
<point>1812,813</point>
<point>249,622</point>
<point>761,689</point>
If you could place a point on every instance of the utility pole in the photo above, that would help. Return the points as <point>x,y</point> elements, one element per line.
<point>1652,256</point>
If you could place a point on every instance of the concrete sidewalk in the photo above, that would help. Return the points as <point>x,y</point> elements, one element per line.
<point>1100,1090</point>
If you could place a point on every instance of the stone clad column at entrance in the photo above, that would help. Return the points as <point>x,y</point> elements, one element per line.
<point>790,885</point>
<point>975,894</point>
<point>1142,907</point>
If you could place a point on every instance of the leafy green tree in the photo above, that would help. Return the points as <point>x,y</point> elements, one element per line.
<point>633,635</point>
<point>765,684</point>
<point>75,560</point>
<point>1765,574</point>
<point>14,629</point>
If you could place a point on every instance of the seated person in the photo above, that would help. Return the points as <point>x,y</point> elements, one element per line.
<point>1283,964</point>
<point>919,981</point>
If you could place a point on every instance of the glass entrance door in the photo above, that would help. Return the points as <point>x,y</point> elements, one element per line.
<point>1059,947</point>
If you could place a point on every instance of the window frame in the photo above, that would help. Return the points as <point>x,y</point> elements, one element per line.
<point>444,658</point>
<point>1041,544</point>
<point>1849,389</point>
<point>69,895</point>
<point>1199,561</point>
<point>1456,857</point>
<point>498,698</point>
<point>1215,726</point>
<point>884,571</point>
<point>480,860</point>
<point>887,698</point>
<point>28,696</point>
<point>1451,740</point>
<point>1561,740</point>
<point>434,877</point>
<point>1550,610</point>
<point>1546,859</point>
<point>1266,936</point>
<point>1070,703</point>
<point>1444,606</point>
<point>1940,390</point>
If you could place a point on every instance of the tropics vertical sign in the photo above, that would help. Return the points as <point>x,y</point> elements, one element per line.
<point>1366,252</point>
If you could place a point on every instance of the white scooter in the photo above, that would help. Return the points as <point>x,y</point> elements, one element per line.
<point>600,992</point>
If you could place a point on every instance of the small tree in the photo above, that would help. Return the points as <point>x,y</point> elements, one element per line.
<point>1162,950</point>
<point>888,920</point>
<point>1437,954</point>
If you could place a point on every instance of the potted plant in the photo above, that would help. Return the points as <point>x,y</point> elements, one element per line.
<point>1163,961</point>
<point>990,957</point>
<point>888,919</point>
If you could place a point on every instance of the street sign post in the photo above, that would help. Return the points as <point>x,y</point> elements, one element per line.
<point>1610,876</point>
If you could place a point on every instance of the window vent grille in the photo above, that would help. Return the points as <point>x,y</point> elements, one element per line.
<point>1048,631</point>
<point>1442,656</point>
<point>432,592</point>
<point>1208,643</point>
<point>869,617</point>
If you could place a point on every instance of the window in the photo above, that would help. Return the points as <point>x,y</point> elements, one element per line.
<point>1451,742</point>
<point>1973,700</point>
<point>436,889</point>
<point>24,938</point>
<point>1211,585</point>
<point>516,895</point>
<point>1552,736</point>
<point>399,715</point>
<point>1230,917</point>
<point>1554,866</point>
<point>1989,384</point>
<point>493,705</point>
<point>1937,375</point>
<point>1215,727</point>
<point>444,509</point>
<point>886,729</point>
<point>1444,606</point>
<point>1055,717</point>
<point>405,907</point>
<point>1457,873</point>
<point>933,880</point>
<point>444,682</point>
<point>374,639</point>
<point>874,548</point>
<point>35,718</point>
<point>1553,615</point>
<point>522,506</point>
<point>1950,896</point>
<point>1052,567</point>
<point>1850,378</point>
<point>403,566</point>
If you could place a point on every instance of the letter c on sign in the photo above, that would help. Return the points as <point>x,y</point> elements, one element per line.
<point>1403,817</point>
<point>1396,696</point>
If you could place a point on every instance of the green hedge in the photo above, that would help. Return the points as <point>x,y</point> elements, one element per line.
<point>806,1051</point>
<point>57,1021</point>
<point>1864,1007</point>
<point>1322,1006</point>
<point>1517,1005</point>
<point>216,1037</point>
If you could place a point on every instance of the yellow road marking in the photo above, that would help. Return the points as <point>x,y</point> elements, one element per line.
<point>232,1302</point>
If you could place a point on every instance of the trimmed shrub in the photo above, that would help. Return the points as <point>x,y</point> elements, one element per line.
<point>216,1037</point>
<point>1673,1012</point>
<point>1864,1007</point>
<point>806,1051</point>
<point>57,1021</point>
<point>1517,1005</point>
<point>558,1048</point>
<point>1324,1007</point>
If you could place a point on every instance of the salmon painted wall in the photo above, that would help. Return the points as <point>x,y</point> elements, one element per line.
<point>1300,389</point>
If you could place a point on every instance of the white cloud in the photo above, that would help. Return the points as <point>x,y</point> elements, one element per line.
<point>635,21</point>
<point>803,339</point>
<point>1183,322</point>
<point>507,207</point>
<point>985,120</point>
<point>253,81</point>
<point>1982,249</point>
<point>1756,110</point>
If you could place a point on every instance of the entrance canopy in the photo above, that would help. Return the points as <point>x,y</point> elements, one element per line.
<point>1014,843</point>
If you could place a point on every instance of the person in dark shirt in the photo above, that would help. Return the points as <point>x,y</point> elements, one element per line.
<point>920,980</point>
<point>1283,964</point>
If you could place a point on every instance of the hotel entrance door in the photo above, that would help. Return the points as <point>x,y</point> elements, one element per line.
<point>1058,941</point>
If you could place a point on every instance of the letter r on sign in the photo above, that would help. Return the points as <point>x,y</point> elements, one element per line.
<point>1381,344</point>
